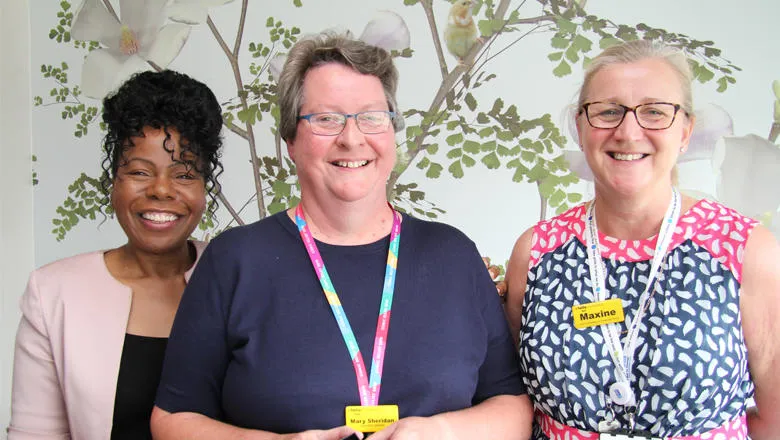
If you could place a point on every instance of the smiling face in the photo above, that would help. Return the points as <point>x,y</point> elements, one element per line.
<point>351,166</point>
<point>630,160</point>
<point>158,202</point>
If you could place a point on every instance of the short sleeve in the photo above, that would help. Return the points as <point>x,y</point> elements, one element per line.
<point>499,374</point>
<point>37,405</point>
<point>197,353</point>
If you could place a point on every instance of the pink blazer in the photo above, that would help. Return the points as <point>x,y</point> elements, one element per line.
<point>68,348</point>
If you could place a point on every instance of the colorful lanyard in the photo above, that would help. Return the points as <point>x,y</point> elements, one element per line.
<point>623,356</point>
<point>369,389</point>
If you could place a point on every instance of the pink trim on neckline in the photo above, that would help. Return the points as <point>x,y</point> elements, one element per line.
<point>706,223</point>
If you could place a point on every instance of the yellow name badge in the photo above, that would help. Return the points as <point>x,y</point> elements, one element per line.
<point>371,418</point>
<point>598,313</point>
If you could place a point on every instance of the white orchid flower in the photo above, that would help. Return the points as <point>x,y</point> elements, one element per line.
<point>138,37</point>
<point>387,30</point>
<point>192,11</point>
<point>746,174</point>
<point>712,123</point>
<point>276,65</point>
<point>578,164</point>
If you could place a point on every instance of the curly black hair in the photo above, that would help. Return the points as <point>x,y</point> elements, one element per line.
<point>162,100</point>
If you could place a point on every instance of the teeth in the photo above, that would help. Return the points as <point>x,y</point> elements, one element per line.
<point>345,164</point>
<point>159,217</point>
<point>627,156</point>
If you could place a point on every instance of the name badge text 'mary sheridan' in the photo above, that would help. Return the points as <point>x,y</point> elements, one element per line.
<point>597,313</point>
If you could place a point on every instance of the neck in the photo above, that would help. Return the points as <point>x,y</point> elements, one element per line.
<point>136,263</point>
<point>631,218</point>
<point>352,223</point>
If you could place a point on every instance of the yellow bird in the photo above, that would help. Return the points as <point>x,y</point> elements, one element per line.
<point>461,32</point>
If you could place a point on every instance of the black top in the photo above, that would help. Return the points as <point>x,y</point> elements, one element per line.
<point>136,386</point>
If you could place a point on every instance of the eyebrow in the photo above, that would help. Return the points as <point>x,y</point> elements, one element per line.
<point>645,100</point>
<point>372,106</point>
<point>149,162</point>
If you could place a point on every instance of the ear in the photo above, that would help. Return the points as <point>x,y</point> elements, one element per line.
<point>687,130</point>
<point>290,148</point>
<point>111,193</point>
<point>578,118</point>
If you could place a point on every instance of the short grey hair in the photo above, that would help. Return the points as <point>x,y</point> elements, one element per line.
<point>325,48</point>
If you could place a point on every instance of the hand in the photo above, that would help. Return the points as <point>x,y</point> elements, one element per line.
<point>415,428</point>
<point>339,433</point>
<point>495,272</point>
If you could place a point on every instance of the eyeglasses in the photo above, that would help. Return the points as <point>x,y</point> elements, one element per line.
<point>333,123</point>
<point>650,116</point>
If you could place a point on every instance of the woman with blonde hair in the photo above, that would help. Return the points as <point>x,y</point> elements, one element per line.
<point>644,311</point>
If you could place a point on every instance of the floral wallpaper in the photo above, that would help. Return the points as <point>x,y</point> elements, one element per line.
<point>488,139</point>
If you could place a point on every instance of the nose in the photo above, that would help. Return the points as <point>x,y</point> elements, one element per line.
<point>629,129</point>
<point>161,188</point>
<point>351,136</point>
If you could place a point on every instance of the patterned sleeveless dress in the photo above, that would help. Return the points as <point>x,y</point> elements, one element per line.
<point>690,371</point>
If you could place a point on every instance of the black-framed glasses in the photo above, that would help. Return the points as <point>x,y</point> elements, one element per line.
<point>333,123</point>
<point>650,116</point>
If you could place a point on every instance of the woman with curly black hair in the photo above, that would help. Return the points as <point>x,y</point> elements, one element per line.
<point>91,341</point>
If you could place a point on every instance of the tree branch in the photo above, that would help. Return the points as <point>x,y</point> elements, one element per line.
<point>219,39</point>
<point>111,9</point>
<point>532,20</point>
<point>230,209</point>
<point>428,7</point>
<point>278,143</point>
<point>542,203</point>
<point>250,135</point>
<point>479,68</point>
<point>774,132</point>
<point>154,66</point>
<point>488,59</point>
<point>240,33</point>
<point>243,206</point>
<point>60,103</point>
<point>235,129</point>
<point>449,81</point>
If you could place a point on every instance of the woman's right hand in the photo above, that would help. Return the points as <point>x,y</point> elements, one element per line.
<point>338,433</point>
<point>195,426</point>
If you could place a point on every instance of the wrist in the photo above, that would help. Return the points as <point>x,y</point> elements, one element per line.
<point>444,427</point>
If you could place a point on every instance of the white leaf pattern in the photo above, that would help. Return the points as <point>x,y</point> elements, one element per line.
<point>690,364</point>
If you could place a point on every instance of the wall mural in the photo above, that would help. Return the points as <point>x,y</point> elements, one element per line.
<point>466,125</point>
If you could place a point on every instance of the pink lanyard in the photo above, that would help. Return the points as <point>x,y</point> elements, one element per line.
<point>369,389</point>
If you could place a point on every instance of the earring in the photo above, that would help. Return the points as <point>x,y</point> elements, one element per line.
<point>682,149</point>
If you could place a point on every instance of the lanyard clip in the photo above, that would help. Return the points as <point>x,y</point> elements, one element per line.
<point>631,412</point>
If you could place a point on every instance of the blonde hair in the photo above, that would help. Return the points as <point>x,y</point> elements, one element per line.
<point>638,50</point>
<point>325,48</point>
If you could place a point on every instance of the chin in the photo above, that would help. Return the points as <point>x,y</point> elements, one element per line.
<point>356,194</point>
<point>161,245</point>
<point>628,186</point>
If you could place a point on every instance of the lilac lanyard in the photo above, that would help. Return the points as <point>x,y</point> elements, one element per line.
<point>369,389</point>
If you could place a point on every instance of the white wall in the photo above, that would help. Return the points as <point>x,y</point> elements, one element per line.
<point>16,213</point>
